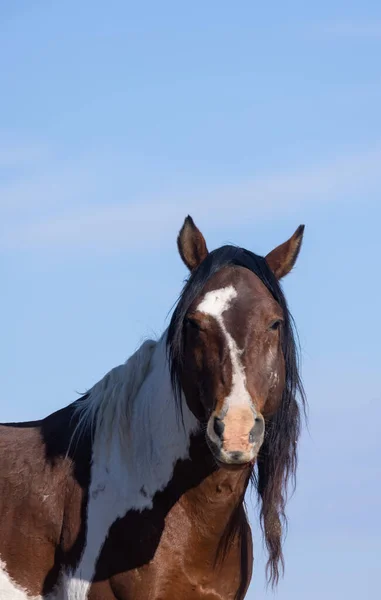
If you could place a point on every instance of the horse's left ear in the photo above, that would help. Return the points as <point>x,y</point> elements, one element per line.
<point>191,244</point>
<point>282,259</point>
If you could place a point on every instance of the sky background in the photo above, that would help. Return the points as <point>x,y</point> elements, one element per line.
<point>118,119</point>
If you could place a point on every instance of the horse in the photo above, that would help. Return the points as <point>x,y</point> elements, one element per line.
<point>136,490</point>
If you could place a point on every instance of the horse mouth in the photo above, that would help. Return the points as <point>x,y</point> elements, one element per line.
<point>232,466</point>
<point>234,461</point>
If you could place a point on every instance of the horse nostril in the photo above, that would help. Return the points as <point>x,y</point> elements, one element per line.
<point>218,427</point>
<point>257,431</point>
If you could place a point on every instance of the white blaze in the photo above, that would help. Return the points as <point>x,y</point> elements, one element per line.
<point>215,303</point>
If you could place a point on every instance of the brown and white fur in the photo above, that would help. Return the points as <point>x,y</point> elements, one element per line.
<point>136,490</point>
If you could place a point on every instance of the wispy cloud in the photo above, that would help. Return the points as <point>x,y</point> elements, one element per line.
<point>45,186</point>
<point>14,155</point>
<point>106,226</point>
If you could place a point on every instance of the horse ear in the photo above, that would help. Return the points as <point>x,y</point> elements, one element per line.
<point>191,244</point>
<point>282,259</point>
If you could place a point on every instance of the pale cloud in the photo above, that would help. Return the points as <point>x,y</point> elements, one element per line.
<point>75,221</point>
<point>46,186</point>
<point>15,155</point>
<point>35,178</point>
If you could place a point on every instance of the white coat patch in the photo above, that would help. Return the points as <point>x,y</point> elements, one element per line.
<point>133,457</point>
<point>9,590</point>
<point>128,470</point>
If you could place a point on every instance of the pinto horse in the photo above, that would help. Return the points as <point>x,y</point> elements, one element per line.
<point>136,490</point>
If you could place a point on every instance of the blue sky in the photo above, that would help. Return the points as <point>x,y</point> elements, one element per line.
<point>116,120</point>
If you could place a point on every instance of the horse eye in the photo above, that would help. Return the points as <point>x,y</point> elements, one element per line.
<point>275,325</point>
<point>192,323</point>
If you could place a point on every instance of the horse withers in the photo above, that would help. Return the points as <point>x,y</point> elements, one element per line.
<point>136,490</point>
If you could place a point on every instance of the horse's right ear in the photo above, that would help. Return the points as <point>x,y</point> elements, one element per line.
<point>191,244</point>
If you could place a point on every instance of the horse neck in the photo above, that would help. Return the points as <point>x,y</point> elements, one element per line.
<point>215,494</point>
<point>162,442</point>
<point>147,445</point>
<point>142,454</point>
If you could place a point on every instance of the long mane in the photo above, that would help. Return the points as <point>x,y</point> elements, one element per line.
<point>106,408</point>
<point>277,460</point>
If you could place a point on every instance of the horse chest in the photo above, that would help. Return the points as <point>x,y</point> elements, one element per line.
<point>176,571</point>
<point>162,557</point>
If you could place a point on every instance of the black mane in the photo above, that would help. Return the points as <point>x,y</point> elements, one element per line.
<point>277,460</point>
